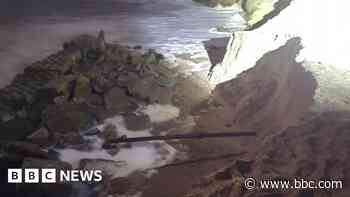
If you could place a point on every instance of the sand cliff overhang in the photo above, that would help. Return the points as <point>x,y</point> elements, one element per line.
<point>289,78</point>
<point>321,27</point>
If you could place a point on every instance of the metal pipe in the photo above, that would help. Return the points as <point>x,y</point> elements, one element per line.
<point>182,136</point>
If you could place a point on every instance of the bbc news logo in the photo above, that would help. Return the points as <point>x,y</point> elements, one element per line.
<point>50,175</point>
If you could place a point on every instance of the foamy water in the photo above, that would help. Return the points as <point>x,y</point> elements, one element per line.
<point>160,113</point>
<point>139,157</point>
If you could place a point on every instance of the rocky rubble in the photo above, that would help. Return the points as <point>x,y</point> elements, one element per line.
<point>58,102</point>
<point>89,79</point>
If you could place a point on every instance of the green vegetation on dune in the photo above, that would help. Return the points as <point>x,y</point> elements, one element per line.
<point>256,12</point>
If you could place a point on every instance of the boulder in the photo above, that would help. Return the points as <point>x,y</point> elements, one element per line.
<point>162,95</point>
<point>25,149</point>
<point>137,47</point>
<point>116,99</point>
<point>149,89</point>
<point>152,57</point>
<point>82,89</point>
<point>100,84</point>
<point>67,139</point>
<point>109,132</point>
<point>16,129</point>
<point>128,79</point>
<point>40,136</point>
<point>6,115</point>
<point>64,85</point>
<point>137,121</point>
<point>95,100</point>
<point>216,49</point>
<point>135,58</point>
<point>101,42</point>
<point>43,98</point>
<point>68,118</point>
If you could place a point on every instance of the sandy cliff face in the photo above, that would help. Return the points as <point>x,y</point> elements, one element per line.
<point>323,34</point>
<point>273,95</point>
<point>289,80</point>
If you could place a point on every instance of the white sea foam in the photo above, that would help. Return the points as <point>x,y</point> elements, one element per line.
<point>161,113</point>
<point>140,156</point>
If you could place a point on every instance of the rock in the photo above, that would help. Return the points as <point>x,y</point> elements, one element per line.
<point>109,167</point>
<point>95,100</point>
<point>152,57</point>
<point>137,47</point>
<point>216,49</point>
<point>99,84</point>
<point>41,136</point>
<point>148,88</point>
<point>161,95</point>
<point>59,100</point>
<point>45,190</point>
<point>136,59</point>
<point>64,86</point>
<point>6,116</point>
<point>82,89</point>
<point>101,43</point>
<point>166,82</point>
<point>53,154</point>
<point>30,162</point>
<point>244,166</point>
<point>128,185</point>
<point>128,79</point>
<point>91,48</point>
<point>113,150</point>
<point>22,114</point>
<point>91,55</point>
<point>67,139</point>
<point>25,149</point>
<point>109,132</point>
<point>68,118</point>
<point>117,54</point>
<point>190,92</point>
<point>16,129</point>
<point>85,42</point>
<point>221,183</point>
<point>41,133</point>
<point>137,121</point>
<point>117,99</point>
